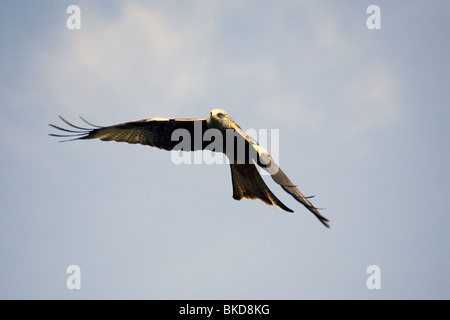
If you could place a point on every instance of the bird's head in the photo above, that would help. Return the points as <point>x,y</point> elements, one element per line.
<point>219,118</point>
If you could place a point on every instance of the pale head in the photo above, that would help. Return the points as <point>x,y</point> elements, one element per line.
<point>219,118</point>
<point>218,113</point>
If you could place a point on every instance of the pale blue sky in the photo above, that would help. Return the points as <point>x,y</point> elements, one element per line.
<point>363,120</point>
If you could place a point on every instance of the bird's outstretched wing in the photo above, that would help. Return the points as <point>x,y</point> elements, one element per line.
<point>247,183</point>
<point>155,132</point>
<point>266,162</point>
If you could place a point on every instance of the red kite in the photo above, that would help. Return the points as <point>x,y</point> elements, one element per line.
<point>218,133</point>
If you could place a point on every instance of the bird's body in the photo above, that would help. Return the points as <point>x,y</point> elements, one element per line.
<point>218,133</point>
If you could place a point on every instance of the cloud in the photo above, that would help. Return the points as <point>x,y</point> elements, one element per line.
<point>335,79</point>
<point>373,100</point>
<point>161,61</point>
<point>142,55</point>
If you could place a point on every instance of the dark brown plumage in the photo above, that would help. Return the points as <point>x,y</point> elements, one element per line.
<point>170,134</point>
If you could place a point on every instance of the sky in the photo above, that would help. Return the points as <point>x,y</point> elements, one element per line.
<point>363,122</point>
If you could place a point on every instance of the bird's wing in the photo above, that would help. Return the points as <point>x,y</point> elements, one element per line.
<point>155,132</point>
<point>247,183</point>
<point>264,160</point>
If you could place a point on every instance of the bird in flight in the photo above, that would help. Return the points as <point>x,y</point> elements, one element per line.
<point>218,133</point>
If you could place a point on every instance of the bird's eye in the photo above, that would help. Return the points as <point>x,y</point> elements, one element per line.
<point>220,115</point>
